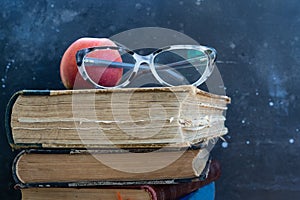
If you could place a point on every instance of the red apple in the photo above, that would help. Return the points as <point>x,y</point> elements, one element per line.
<point>104,76</point>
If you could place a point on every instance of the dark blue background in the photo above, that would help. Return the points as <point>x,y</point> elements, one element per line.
<point>259,48</point>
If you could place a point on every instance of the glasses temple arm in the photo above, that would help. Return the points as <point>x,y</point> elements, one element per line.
<point>180,64</point>
<point>95,61</point>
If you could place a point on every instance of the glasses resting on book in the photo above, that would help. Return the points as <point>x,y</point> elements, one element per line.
<point>171,66</point>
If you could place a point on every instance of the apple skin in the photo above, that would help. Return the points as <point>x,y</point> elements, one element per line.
<point>69,74</point>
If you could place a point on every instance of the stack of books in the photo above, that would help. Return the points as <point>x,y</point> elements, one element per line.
<point>133,143</point>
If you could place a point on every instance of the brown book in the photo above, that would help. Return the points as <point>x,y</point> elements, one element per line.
<point>136,192</point>
<point>109,167</point>
<point>123,118</point>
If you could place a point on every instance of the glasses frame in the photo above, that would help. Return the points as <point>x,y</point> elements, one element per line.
<point>148,60</point>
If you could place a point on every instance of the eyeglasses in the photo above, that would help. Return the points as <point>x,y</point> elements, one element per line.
<point>117,66</point>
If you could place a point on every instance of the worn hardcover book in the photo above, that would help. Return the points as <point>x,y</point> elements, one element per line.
<point>133,192</point>
<point>109,167</point>
<point>123,118</point>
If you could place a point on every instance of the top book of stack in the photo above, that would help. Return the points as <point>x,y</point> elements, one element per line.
<point>156,117</point>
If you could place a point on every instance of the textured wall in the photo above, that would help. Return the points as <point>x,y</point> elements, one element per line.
<point>259,51</point>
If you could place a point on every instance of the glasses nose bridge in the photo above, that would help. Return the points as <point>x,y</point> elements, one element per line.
<point>143,59</point>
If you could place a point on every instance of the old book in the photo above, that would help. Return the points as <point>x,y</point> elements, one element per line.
<point>109,167</point>
<point>122,118</point>
<point>134,192</point>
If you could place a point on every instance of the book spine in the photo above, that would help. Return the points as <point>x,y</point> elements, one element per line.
<point>8,112</point>
<point>7,120</point>
<point>15,171</point>
<point>151,191</point>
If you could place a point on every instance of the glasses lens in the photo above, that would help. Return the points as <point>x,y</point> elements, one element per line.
<point>108,67</point>
<point>180,66</point>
